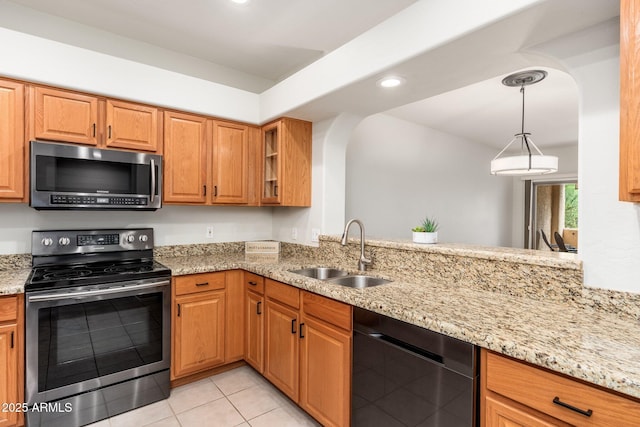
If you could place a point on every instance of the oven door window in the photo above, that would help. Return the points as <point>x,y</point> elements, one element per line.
<point>87,340</point>
<point>61,174</point>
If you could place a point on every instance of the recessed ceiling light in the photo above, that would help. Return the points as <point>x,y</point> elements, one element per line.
<point>240,1</point>
<point>391,81</point>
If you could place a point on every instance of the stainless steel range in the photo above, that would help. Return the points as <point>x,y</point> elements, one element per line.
<point>97,325</point>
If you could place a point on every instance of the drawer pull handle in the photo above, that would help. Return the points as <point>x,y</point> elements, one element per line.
<point>253,283</point>
<point>586,413</point>
<point>202,284</point>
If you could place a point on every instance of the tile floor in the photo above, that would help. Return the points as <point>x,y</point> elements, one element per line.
<point>240,397</point>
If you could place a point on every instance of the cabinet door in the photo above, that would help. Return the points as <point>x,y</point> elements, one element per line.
<point>271,164</point>
<point>629,187</point>
<point>230,163</point>
<point>199,332</point>
<point>65,116</point>
<point>12,160</point>
<point>8,373</point>
<point>185,158</point>
<point>281,353</point>
<point>325,372</point>
<point>286,156</point>
<point>235,330</point>
<point>254,347</point>
<point>133,126</point>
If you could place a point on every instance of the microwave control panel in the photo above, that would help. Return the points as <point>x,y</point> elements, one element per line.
<point>64,199</point>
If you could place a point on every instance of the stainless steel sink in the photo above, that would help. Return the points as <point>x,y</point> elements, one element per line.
<point>321,273</point>
<point>359,281</point>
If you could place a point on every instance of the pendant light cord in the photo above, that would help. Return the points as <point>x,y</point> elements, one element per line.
<point>524,135</point>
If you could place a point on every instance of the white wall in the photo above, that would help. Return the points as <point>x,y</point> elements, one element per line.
<point>398,172</point>
<point>36,59</point>
<point>609,229</point>
<point>172,224</point>
<point>330,139</point>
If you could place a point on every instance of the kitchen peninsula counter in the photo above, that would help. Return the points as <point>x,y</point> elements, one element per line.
<point>569,337</point>
<point>590,335</point>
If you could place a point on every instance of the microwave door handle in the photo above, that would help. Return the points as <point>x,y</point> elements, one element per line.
<point>153,181</point>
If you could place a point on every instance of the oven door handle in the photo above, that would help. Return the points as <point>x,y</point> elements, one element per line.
<point>85,294</point>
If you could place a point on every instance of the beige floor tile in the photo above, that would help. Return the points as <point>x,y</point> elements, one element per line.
<point>219,413</point>
<point>238,379</point>
<point>253,401</point>
<point>296,412</point>
<point>195,394</point>
<point>279,417</point>
<point>167,422</point>
<point>143,416</point>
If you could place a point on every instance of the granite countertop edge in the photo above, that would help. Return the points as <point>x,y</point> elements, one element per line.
<point>579,354</point>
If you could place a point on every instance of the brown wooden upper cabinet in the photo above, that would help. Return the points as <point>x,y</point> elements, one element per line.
<point>230,163</point>
<point>186,139</point>
<point>65,116</point>
<point>133,126</point>
<point>12,161</point>
<point>629,188</point>
<point>208,161</point>
<point>286,163</point>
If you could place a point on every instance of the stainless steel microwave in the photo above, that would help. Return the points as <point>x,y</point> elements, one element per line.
<point>65,176</point>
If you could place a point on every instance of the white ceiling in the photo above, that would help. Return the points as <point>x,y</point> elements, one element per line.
<point>491,113</point>
<point>253,46</point>
<point>266,38</point>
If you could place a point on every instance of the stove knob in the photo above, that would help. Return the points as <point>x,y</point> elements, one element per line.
<point>131,238</point>
<point>47,241</point>
<point>143,238</point>
<point>64,241</point>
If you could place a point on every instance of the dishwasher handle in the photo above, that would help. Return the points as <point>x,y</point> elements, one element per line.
<point>409,348</point>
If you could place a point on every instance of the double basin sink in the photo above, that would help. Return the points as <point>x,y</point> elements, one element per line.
<point>341,277</point>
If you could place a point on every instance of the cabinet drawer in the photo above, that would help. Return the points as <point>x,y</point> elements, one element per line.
<point>326,309</point>
<point>198,283</point>
<point>8,308</point>
<point>286,294</point>
<point>538,388</point>
<point>254,282</point>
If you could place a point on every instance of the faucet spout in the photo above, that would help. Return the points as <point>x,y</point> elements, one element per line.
<point>363,261</point>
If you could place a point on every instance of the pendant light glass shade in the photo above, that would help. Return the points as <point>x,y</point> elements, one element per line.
<point>527,162</point>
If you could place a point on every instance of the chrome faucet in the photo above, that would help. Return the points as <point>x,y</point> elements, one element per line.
<point>363,262</point>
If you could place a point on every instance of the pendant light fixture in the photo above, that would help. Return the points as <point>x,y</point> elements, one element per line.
<point>527,162</point>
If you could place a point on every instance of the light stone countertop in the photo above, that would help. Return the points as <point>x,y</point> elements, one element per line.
<point>12,281</point>
<point>585,343</point>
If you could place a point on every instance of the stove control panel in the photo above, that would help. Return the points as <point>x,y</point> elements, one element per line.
<point>63,242</point>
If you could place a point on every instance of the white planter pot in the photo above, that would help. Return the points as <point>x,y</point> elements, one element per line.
<point>421,237</point>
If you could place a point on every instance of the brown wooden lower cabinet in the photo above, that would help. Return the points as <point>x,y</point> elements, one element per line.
<point>11,358</point>
<point>325,372</point>
<point>198,311</point>
<point>515,393</point>
<point>254,318</point>
<point>282,347</point>
<point>234,320</point>
<point>308,351</point>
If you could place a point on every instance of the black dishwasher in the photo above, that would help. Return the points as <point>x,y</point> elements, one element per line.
<point>404,375</point>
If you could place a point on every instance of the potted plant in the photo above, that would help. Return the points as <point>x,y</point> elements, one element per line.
<point>427,232</point>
